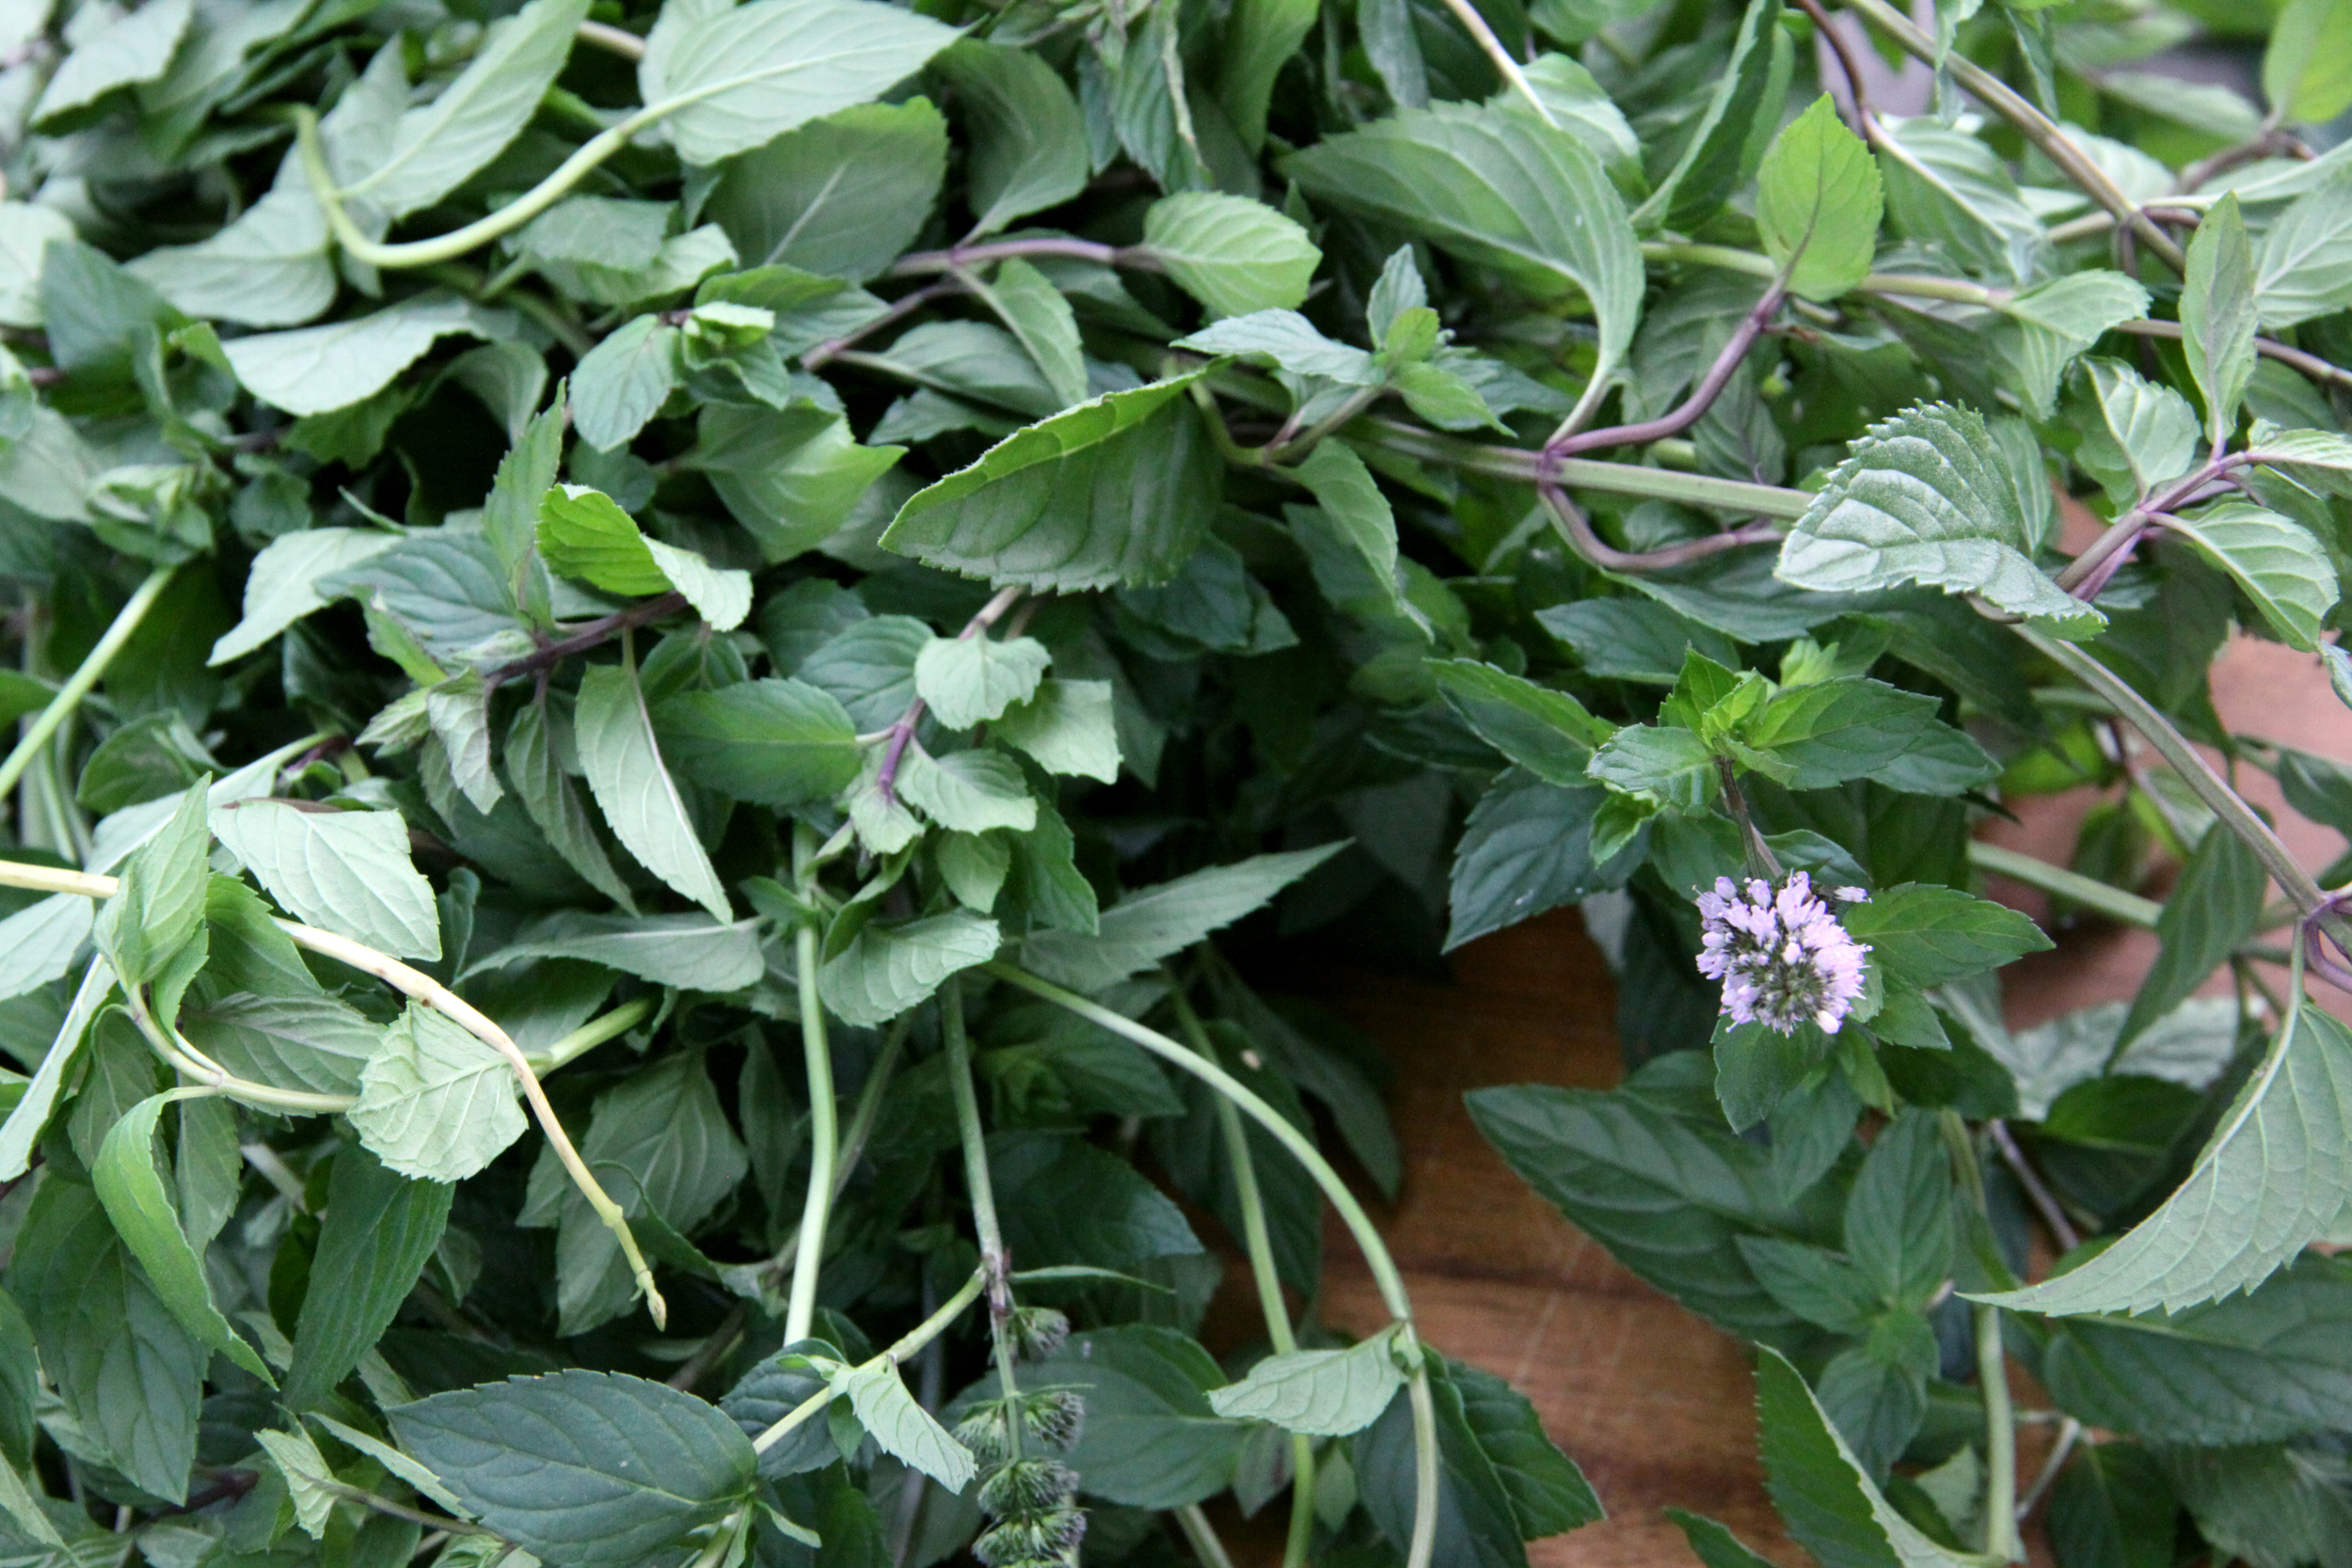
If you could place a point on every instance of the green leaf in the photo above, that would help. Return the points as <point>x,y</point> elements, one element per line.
<point>280,587</point>
<point>1827,1500</point>
<point>584,1469</point>
<point>1527,848</point>
<point>1499,189</point>
<point>1634,640</point>
<point>2113,1507</point>
<point>780,743</point>
<point>584,534</point>
<point>2303,266</point>
<point>268,267</point>
<point>343,871</point>
<point>1927,934</point>
<point>1286,340</point>
<point>2147,433</point>
<point>2219,315</point>
<point>158,908</point>
<point>840,196</point>
<point>967,792</point>
<point>2285,571</point>
<point>141,1209</point>
<point>553,804</point>
<point>30,1117</point>
<point>1028,147</point>
<point>971,680</point>
<point>1066,727</point>
<point>39,942</point>
<point>1231,254</point>
<point>1851,728</point>
<point>119,50</point>
<point>1150,925</point>
<point>435,146</point>
<point>1898,1217</point>
<point>1037,314</point>
<point>1260,37</point>
<point>306,1475</point>
<point>2267,1184</point>
<point>621,382</point>
<point>888,968</point>
<point>1661,764</point>
<point>792,477</point>
<point>1817,203</point>
<point>743,76</point>
<point>904,1429</point>
<point>316,369</point>
<point>132,1378</point>
<point>1946,188</point>
<point>1548,1494</point>
<point>1357,509</point>
<point>1722,150</point>
<point>1113,491</point>
<point>1548,733</point>
<point>2305,70</point>
<point>2215,907</point>
<point>685,951</point>
<point>2251,1368</point>
<point>1927,496</point>
<point>434,1102</point>
<point>1813,1282</point>
<point>632,785</point>
<point>1326,1393</point>
<point>2057,320</point>
<point>379,1231</point>
<point>1711,1544</point>
<point>1613,1163</point>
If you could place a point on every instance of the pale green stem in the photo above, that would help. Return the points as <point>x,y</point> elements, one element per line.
<point>77,685</point>
<point>2090,893</point>
<point>1384,1270</point>
<point>1467,14</point>
<point>1202,1537</point>
<point>448,248</point>
<point>2000,1441</point>
<point>896,1354</point>
<point>1260,1245</point>
<point>809,1252</point>
<point>613,40</point>
<point>982,1190</point>
<point>2194,770</point>
<point>422,988</point>
<point>594,1033</point>
<point>1757,264</point>
<point>1582,473</point>
<point>1307,440</point>
<point>211,1078</point>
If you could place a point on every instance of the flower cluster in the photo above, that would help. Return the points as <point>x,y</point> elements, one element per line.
<point>1782,956</point>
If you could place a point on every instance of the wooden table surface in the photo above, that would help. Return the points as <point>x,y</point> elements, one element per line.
<point>1653,1404</point>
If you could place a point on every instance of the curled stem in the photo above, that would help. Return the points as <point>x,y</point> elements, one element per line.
<point>422,988</point>
<point>87,674</point>
<point>1569,520</point>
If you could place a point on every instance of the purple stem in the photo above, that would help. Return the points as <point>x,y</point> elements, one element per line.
<point>1581,537</point>
<point>1693,408</point>
<point>588,635</point>
<point>903,731</point>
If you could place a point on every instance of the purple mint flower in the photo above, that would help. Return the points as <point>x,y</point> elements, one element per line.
<point>1782,956</point>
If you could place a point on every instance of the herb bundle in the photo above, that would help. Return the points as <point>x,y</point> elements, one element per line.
<point>681,671</point>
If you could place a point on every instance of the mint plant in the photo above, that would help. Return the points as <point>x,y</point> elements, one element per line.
<point>681,671</point>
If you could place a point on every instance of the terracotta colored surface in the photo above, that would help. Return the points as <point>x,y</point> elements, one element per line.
<point>1655,1404</point>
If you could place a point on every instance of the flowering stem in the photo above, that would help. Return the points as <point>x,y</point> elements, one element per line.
<point>1367,1236</point>
<point>995,1262</point>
